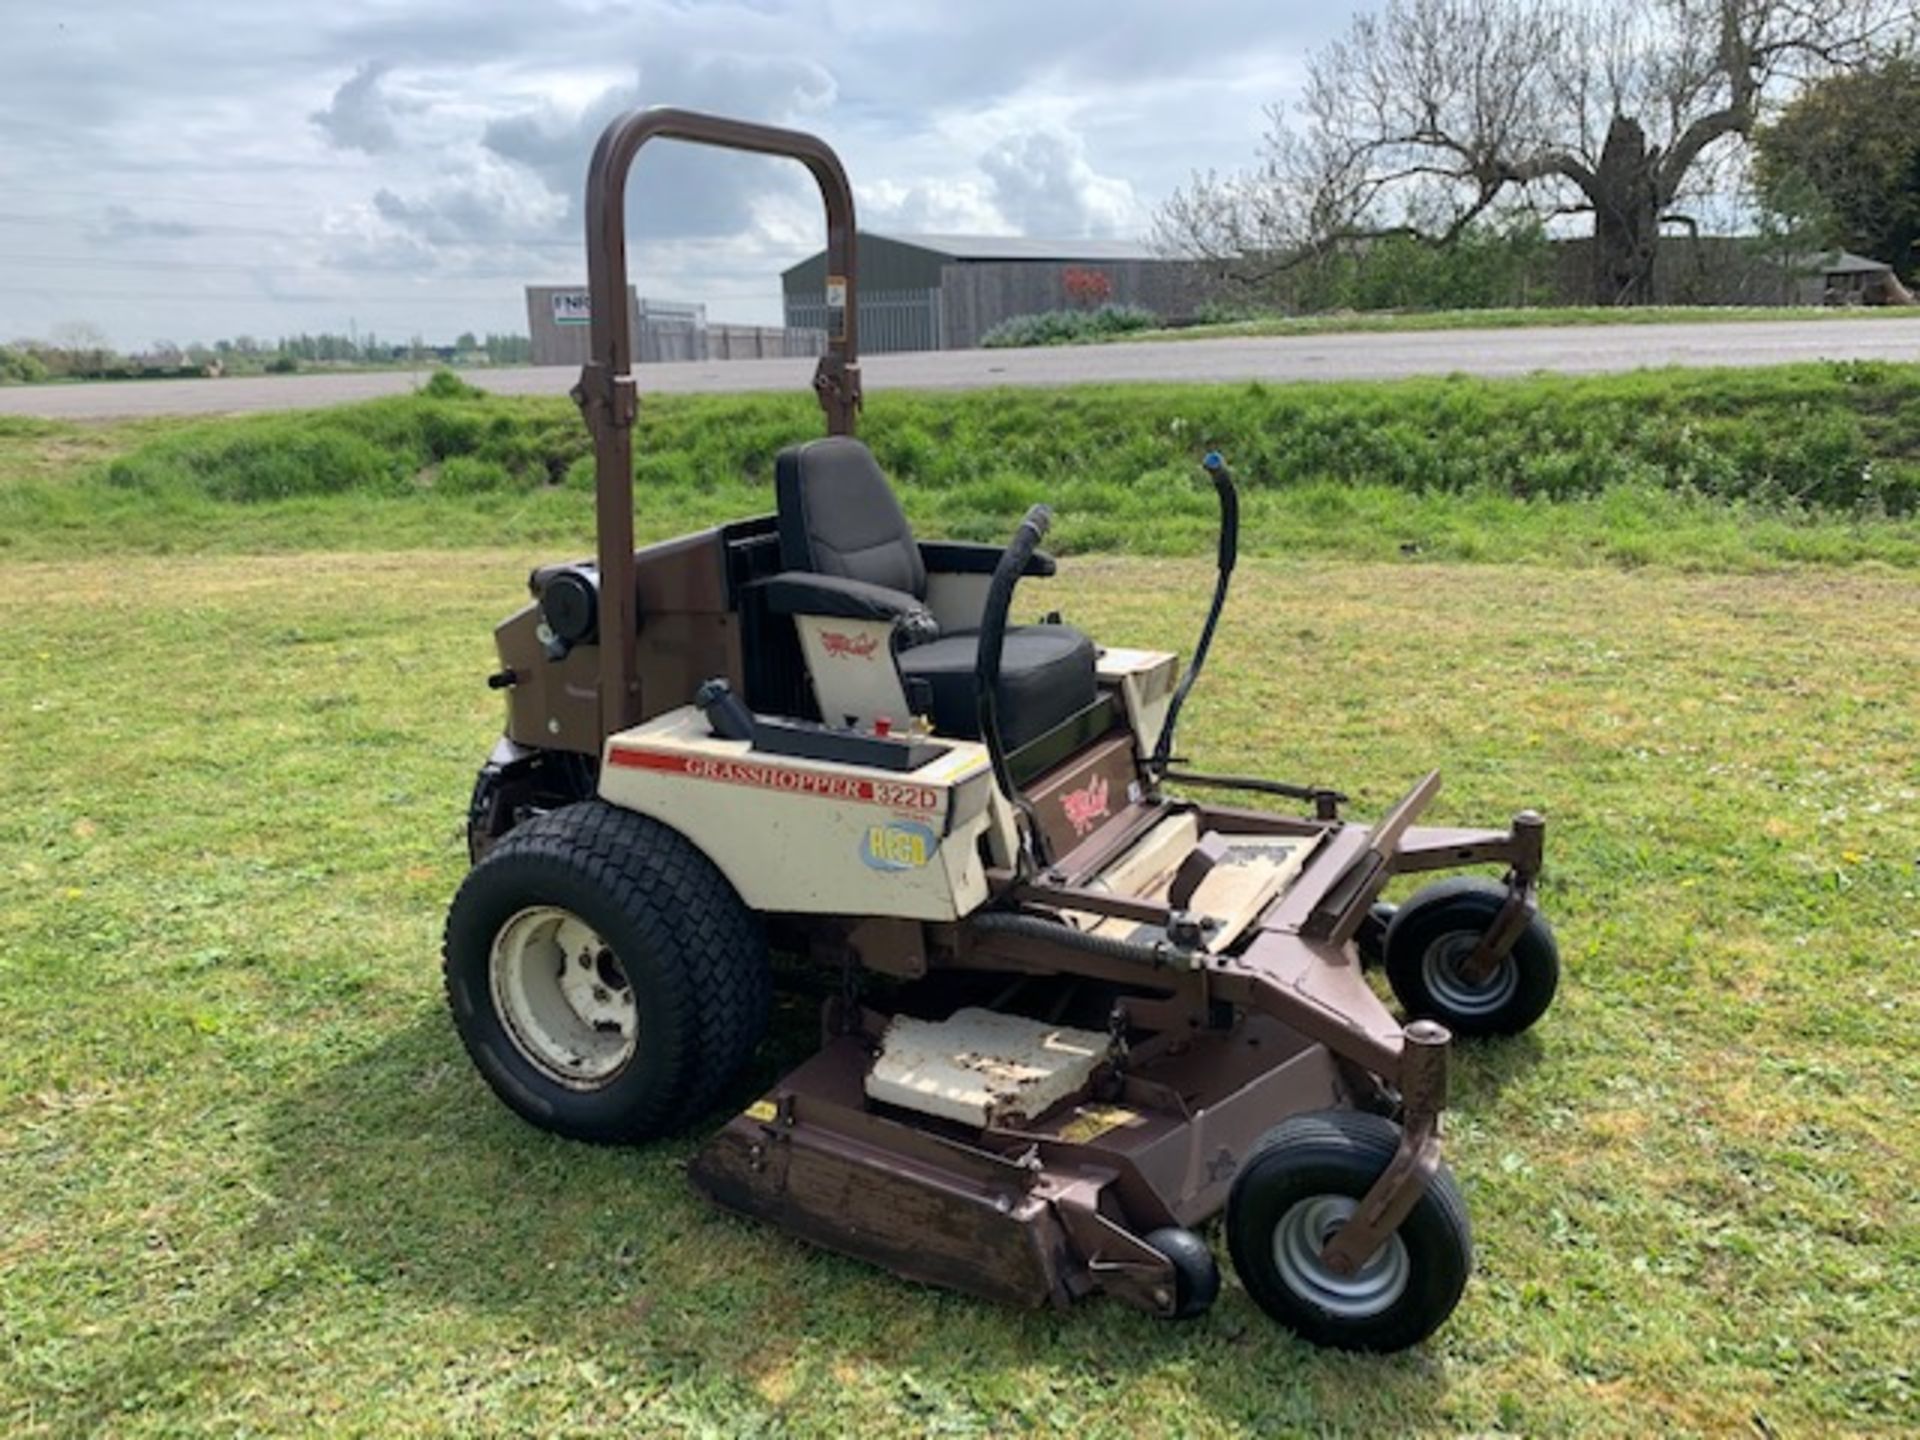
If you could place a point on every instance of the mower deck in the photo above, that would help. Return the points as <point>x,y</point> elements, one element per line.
<point>1043,1212</point>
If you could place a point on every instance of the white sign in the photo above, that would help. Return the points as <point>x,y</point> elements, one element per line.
<point>836,292</point>
<point>572,307</point>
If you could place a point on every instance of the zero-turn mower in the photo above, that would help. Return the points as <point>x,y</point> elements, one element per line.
<point>1075,1013</point>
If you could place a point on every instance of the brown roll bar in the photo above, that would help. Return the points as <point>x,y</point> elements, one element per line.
<point>606,393</point>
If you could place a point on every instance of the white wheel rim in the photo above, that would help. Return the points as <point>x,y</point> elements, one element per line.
<point>1440,971</point>
<point>1300,1236</point>
<point>563,998</point>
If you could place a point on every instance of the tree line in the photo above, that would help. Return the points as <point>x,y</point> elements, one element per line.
<point>83,352</point>
<point>1477,127</point>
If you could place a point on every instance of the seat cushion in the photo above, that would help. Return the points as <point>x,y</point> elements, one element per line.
<point>1046,678</point>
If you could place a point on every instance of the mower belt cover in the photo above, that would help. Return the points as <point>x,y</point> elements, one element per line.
<point>981,1067</point>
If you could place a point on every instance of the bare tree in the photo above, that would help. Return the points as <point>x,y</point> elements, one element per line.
<point>82,346</point>
<point>1434,114</point>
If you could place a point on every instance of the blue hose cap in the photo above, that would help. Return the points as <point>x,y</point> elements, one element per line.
<point>1213,461</point>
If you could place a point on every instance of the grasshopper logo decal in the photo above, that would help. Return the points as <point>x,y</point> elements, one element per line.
<point>854,647</point>
<point>1086,806</point>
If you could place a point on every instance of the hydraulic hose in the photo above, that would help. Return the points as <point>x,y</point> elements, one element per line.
<point>1032,927</point>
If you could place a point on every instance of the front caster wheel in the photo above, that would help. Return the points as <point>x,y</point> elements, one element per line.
<point>1434,935</point>
<point>1298,1187</point>
<point>1196,1276</point>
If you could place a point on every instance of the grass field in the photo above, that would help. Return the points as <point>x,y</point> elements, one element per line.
<point>1515,318</point>
<point>248,1183</point>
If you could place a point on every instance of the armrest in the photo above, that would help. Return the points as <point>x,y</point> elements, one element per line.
<point>967,557</point>
<point>800,592</point>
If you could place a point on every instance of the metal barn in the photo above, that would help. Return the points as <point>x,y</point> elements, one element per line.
<point>943,292</point>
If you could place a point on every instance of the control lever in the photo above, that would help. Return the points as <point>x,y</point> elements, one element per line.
<point>919,691</point>
<point>725,712</point>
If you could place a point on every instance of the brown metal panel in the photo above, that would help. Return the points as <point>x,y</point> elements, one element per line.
<point>1318,989</point>
<point>686,634</point>
<point>1075,799</point>
<point>809,1158</point>
<point>1322,873</point>
<point>1234,1087</point>
<point>552,704</point>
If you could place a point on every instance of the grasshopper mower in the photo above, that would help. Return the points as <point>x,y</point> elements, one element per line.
<point>1070,1012</point>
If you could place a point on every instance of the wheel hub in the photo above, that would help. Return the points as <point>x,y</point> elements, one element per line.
<point>563,998</point>
<point>1443,969</point>
<point>1303,1232</point>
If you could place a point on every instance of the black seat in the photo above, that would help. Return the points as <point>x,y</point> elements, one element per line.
<point>838,516</point>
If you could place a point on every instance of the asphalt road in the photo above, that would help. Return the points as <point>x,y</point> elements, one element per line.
<point>1572,350</point>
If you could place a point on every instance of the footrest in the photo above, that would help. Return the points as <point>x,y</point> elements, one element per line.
<point>981,1067</point>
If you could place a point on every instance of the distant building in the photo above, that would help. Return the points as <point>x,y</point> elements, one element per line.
<point>559,320</point>
<point>1849,279</point>
<point>943,292</point>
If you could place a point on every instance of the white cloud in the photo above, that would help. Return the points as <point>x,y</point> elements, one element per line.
<point>361,114</point>
<point>1042,183</point>
<point>485,202</point>
<point>407,165</point>
<point>962,206</point>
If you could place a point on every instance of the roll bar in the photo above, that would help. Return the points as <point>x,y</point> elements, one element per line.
<point>606,394</point>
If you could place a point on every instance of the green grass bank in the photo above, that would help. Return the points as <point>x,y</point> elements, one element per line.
<point>1742,469</point>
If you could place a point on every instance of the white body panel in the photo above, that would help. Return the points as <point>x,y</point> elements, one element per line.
<point>851,665</point>
<point>1146,679</point>
<point>811,836</point>
<point>957,600</point>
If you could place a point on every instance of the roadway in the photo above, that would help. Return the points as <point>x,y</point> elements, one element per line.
<point>1575,350</point>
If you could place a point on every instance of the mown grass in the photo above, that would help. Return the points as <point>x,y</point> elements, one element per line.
<point>249,1184</point>
<point>1507,318</point>
<point>1718,470</point>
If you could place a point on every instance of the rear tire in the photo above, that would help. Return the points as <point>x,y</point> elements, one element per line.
<point>1299,1184</point>
<point>633,1035</point>
<point>1431,937</point>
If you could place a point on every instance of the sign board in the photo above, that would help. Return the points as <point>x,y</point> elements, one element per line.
<point>836,308</point>
<point>572,307</point>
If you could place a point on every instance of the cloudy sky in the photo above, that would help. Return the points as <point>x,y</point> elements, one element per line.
<point>189,170</point>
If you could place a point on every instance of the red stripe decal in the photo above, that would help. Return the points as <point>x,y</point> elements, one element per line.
<point>894,794</point>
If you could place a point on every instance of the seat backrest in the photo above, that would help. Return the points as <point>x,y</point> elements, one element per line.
<point>838,516</point>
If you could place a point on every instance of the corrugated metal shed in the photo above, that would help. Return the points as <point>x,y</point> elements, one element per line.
<point>1028,247</point>
<point>933,292</point>
<point>1845,262</point>
<point>903,262</point>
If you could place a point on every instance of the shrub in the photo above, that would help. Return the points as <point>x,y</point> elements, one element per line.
<point>443,384</point>
<point>19,367</point>
<point>1068,327</point>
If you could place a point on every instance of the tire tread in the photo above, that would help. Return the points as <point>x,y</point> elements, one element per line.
<point>720,986</point>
